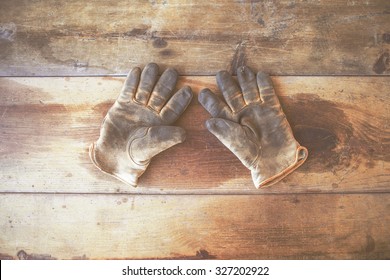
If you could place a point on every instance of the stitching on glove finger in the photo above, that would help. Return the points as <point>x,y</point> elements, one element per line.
<point>170,108</point>
<point>143,93</point>
<point>155,97</point>
<point>233,98</point>
<point>254,103</point>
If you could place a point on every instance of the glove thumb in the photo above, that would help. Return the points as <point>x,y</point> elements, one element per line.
<point>153,140</point>
<point>236,138</point>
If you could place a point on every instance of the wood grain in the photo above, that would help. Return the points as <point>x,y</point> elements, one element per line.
<point>323,226</point>
<point>55,38</point>
<point>47,125</point>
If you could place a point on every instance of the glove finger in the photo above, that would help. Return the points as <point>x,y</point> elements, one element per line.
<point>212,103</point>
<point>176,105</point>
<point>148,80</point>
<point>156,140</point>
<point>248,84</point>
<point>131,83</point>
<point>230,91</point>
<point>163,89</point>
<point>266,88</point>
<point>235,138</point>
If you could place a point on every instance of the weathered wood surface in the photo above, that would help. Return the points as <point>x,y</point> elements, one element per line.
<point>198,37</point>
<point>47,124</point>
<point>316,226</point>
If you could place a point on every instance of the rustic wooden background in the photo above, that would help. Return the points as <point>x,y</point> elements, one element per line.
<point>62,64</point>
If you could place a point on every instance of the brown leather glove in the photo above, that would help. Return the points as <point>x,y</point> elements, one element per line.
<point>252,125</point>
<point>136,127</point>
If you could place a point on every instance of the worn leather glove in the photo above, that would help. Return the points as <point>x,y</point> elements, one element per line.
<point>252,125</point>
<point>136,127</point>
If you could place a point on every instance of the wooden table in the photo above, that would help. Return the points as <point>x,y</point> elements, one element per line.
<point>62,64</point>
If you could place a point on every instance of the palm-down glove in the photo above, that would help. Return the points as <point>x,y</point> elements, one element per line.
<point>137,126</point>
<point>251,124</point>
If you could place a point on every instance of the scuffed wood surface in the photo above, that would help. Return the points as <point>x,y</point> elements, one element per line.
<point>189,227</point>
<point>55,38</point>
<point>47,124</point>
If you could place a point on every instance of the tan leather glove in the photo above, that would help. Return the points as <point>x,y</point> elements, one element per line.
<point>252,125</point>
<point>136,127</point>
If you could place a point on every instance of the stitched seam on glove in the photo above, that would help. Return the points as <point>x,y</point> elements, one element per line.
<point>279,176</point>
<point>130,142</point>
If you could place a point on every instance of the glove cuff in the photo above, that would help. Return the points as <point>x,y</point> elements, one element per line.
<point>262,180</point>
<point>128,178</point>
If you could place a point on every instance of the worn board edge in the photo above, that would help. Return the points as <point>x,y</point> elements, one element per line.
<point>282,37</point>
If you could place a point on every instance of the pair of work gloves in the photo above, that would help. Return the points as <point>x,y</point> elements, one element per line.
<point>249,121</point>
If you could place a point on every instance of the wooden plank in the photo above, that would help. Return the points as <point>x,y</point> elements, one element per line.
<point>47,125</point>
<point>198,37</point>
<point>323,226</point>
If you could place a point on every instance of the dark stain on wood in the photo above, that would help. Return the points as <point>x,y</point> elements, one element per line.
<point>41,43</point>
<point>25,125</point>
<point>167,52</point>
<point>332,140</point>
<point>320,141</point>
<point>137,32</point>
<point>204,255</point>
<point>309,117</point>
<point>6,49</point>
<point>81,64</point>
<point>83,257</point>
<point>201,254</point>
<point>5,257</point>
<point>261,21</point>
<point>370,244</point>
<point>22,255</point>
<point>295,200</point>
<point>386,38</point>
<point>159,43</point>
<point>383,63</point>
<point>7,32</point>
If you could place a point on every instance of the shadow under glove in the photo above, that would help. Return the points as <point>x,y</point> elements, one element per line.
<point>251,124</point>
<point>136,128</point>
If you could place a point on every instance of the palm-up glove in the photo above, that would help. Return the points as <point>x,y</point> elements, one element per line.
<point>137,126</point>
<point>251,124</point>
